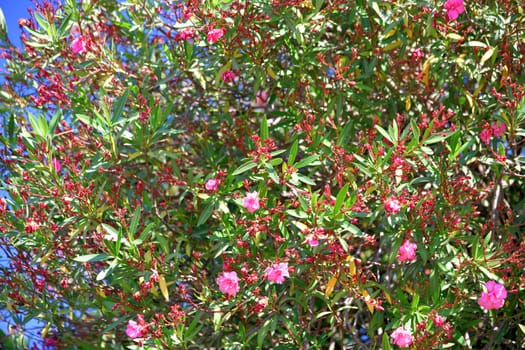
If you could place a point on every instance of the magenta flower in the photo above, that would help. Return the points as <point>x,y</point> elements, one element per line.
<point>134,330</point>
<point>494,297</point>
<point>251,201</point>
<point>228,76</point>
<point>277,273</point>
<point>185,34</point>
<point>407,251</point>
<point>498,129</point>
<point>212,185</point>
<point>402,337</point>
<point>485,135</point>
<point>56,164</point>
<point>454,8</point>
<point>229,283</point>
<point>215,34</point>
<point>79,45</point>
<point>392,206</point>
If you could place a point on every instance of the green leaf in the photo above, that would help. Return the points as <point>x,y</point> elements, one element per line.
<point>245,167</point>
<point>206,213</point>
<point>310,160</point>
<point>271,173</point>
<point>341,196</point>
<point>293,152</point>
<point>119,109</point>
<point>385,342</point>
<point>134,222</point>
<point>264,128</point>
<point>92,257</point>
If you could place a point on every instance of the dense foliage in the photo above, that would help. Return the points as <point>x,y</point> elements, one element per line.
<point>294,174</point>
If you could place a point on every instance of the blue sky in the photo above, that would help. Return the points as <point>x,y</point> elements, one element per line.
<point>13,11</point>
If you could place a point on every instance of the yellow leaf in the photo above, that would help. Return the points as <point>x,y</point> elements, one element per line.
<point>271,73</point>
<point>45,330</point>
<point>393,45</point>
<point>407,103</point>
<point>487,55</point>
<point>330,286</point>
<point>367,300</point>
<point>302,227</point>
<point>100,292</point>
<point>388,298</point>
<point>351,265</point>
<point>390,33</point>
<point>504,75</point>
<point>164,288</point>
<point>454,36</point>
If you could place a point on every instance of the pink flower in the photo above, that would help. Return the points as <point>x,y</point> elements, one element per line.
<point>312,240</point>
<point>402,337</point>
<point>251,201</point>
<point>56,164</point>
<point>498,129</point>
<point>185,34</point>
<point>485,135</point>
<point>454,8</point>
<point>439,320</point>
<point>494,297</point>
<point>261,99</point>
<point>407,251</point>
<point>228,76</point>
<point>79,45</point>
<point>277,273</point>
<point>392,206</point>
<point>212,185</point>
<point>134,330</point>
<point>229,283</point>
<point>215,34</point>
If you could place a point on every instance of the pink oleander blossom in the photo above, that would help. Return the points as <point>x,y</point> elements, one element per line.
<point>407,251</point>
<point>392,206</point>
<point>402,337</point>
<point>277,273</point>
<point>215,34</point>
<point>261,99</point>
<point>56,164</point>
<point>494,297</point>
<point>228,76</point>
<point>485,135</point>
<point>212,185</point>
<point>79,45</point>
<point>251,201</point>
<point>133,330</point>
<point>498,129</point>
<point>454,8</point>
<point>229,283</point>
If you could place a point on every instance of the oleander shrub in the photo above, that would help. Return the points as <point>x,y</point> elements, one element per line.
<point>272,174</point>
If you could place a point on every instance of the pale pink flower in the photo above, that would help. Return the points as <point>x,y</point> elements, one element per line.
<point>229,283</point>
<point>56,164</point>
<point>392,206</point>
<point>134,330</point>
<point>485,135</point>
<point>228,76</point>
<point>407,251</point>
<point>402,337</point>
<point>79,45</point>
<point>277,272</point>
<point>251,201</point>
<point>312,240</point>
<point>215,34</point>
<point>498,129</point>
<point>454,8</point>
<point>212,185</point>
<point>261,99</point>
<point>494,297</point>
